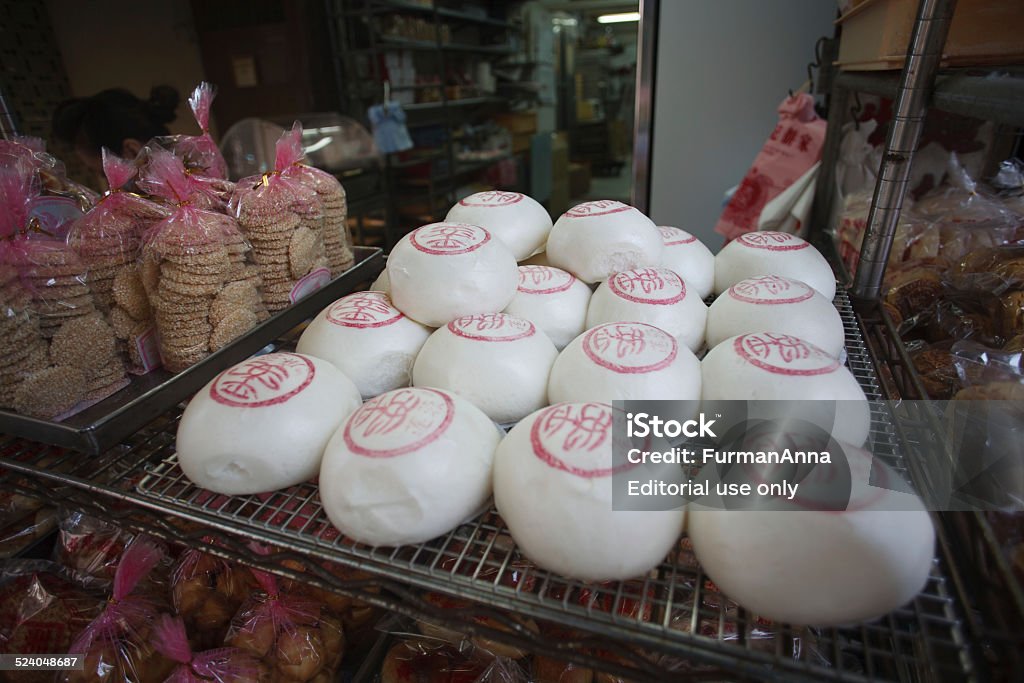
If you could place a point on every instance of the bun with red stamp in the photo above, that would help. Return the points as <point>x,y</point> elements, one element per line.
<point>262,425</point>
<point>689,258</point>
<point>498,362</point>
<point>553,300</point>
<point>773,303</point>
<point>553,486</point>
<point>368,339</point>
<point>443,271</point>
<point>782,377</point>
<point>622,362</point>
<point>520,222</point>
<point>821,557</point>
<point>773,253</point>
<point>408,466</point>
<point>657,296</point>
<point>595,239</point>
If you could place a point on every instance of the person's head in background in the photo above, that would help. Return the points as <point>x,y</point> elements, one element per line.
<point>115,119</point>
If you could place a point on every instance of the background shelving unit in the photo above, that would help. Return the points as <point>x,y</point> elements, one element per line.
<point>422,182</point>
<point>993,592</point>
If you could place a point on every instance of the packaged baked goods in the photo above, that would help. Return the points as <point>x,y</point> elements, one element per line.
<point>291,635</point>
<point>23,350</point>
<point>222,664</point>
<point>199,152</point>
<point>76,361</point>
<point>89,546</point>
<point>479,646</point>
<point>118,644</point>
<point>963,200</point>
<point>61,200</point>
<point>23,521</point>
<point>424,659</point>
<point>334,203</point>
<point>42,609</point>
<point>109,239</point>
<point>196,269</point>
<point>551,670</point>
<point>283,219</point>
<point>206,592</point>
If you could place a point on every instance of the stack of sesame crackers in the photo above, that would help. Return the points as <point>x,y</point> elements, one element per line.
<point>23,350</point>
<point>337,241</point>
<point>196,273</point>
<point>82,363</point>
<point>332,199</point>
<point>109,240</point>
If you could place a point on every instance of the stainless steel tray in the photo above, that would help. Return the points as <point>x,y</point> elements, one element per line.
<point>671,625</point>
<point>107,423</point>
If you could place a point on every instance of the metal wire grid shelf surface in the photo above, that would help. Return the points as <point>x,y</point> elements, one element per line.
<point>675,610</point>
<point>675,616</point>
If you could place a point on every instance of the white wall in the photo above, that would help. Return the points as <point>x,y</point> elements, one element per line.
<point>722,69</point>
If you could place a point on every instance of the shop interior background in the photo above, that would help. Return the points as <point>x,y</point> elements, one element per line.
<point>541,100</point>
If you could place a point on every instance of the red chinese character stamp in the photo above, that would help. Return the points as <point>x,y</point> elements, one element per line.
<point>398,422</point>
<point>363,309</point>
<point>658,286</point>
<point>772,241</point>
<point>543,280</point>
<point>769,290</point>
<point>784,355</point>
<point>263,381</point>
<point>602,207</point>
<point>673,236</point>
<point>491,199</point>
<point>492,327</point>
<point>448,239</point>
<point>630,348</point>
<point>576,438</point>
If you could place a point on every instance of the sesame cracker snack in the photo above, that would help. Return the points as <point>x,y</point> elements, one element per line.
<point>63,198</point>
<point>283,220</point>
<point>109,240</point>
<point>195,269</point>
<point>336,236</point>
<point>66,347</point>
<point>199,153</point>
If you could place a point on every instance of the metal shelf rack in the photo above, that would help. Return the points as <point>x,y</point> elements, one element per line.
<point>358,51</point>
<point>670,625</point>
<point>993,593</point>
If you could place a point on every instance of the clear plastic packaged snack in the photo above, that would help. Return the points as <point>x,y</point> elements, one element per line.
<point>220,664</point>
<point>118,644</point>
<point>196,269</point>
<point>336,236</point>
<point>291,635</point>
<point>278,215</point>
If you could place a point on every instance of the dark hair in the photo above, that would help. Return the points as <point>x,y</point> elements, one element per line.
<point>110,117</point>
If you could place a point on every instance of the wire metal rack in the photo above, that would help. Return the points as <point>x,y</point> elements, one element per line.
<point>673,624</point>
<point>988,580</point>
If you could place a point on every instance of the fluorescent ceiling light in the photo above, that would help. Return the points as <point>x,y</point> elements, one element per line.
<point>618,18</point>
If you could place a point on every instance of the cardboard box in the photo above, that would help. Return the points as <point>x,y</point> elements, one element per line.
<point>521,142</point>
<point>579,180</point>
<point>518,121</point>
<point>876,34</point>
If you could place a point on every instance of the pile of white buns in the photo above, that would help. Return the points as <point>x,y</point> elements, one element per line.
<point>399,398</point>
